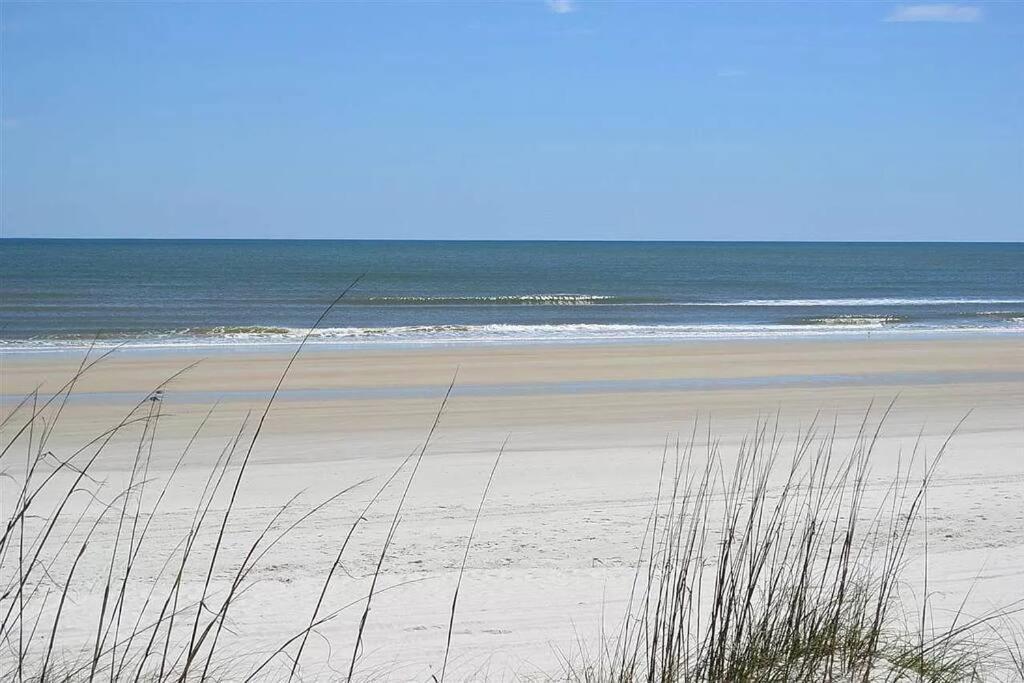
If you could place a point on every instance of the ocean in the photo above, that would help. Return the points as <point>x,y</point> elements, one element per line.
<point>68,294</point>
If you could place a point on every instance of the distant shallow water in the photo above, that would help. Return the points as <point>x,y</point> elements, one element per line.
<point>66,294</point>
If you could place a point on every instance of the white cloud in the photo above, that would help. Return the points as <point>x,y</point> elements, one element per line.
<point>561,6</point>
<point>959,14</point>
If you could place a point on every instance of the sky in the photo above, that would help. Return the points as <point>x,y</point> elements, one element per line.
<point>565,119</point>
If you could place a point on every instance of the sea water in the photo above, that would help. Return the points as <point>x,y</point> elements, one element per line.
<point>184,293</point>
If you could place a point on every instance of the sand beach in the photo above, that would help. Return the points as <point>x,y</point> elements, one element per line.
<point>557,544</point>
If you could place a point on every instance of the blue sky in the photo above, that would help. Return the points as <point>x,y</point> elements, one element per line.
<point>528,120</point>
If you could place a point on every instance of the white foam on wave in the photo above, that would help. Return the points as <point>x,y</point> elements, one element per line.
<point>500,333</point>
<point>524,299</point>
<point>884,301</point>
<point>612,300</point>
<point>873,321</point>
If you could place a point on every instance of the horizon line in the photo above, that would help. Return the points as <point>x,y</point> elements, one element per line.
<point>493,240</point>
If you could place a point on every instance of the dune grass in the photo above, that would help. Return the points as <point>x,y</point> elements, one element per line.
<point>787,564</point>
<point>792,568</point>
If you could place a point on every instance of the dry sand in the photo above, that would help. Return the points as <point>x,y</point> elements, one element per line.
<point>556,548</point>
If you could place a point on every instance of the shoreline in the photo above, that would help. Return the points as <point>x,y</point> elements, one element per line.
<point>835,334</point>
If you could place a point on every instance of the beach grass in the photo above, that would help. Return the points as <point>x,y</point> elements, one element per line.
<point>793,568</point>
<point>783,560</point>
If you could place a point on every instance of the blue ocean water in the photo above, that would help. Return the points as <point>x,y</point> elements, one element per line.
<point>69,293</point>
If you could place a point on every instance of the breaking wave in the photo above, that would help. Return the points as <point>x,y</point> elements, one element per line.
<point>239,330</point>
<point>259,335</point>
<point>612,300</point>
<point>854,320</point>
<point>510,299</point>
<point>858,302</point>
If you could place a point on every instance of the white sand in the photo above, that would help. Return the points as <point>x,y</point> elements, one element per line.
<point>557,544</point>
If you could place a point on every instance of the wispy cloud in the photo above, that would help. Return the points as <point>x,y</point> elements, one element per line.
<point>561,6</point>
<point>948,13</point>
